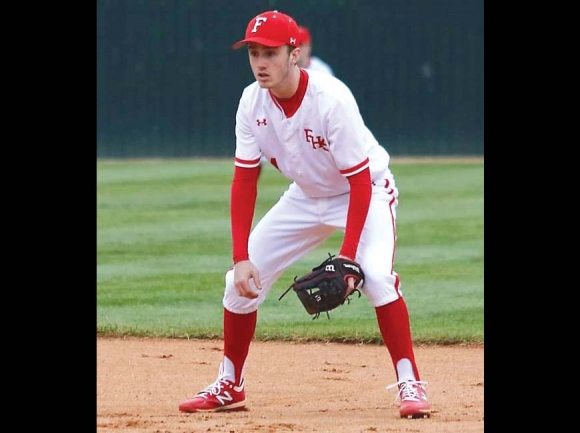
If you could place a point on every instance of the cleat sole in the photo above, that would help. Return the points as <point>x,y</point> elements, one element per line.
<point>416,415</point>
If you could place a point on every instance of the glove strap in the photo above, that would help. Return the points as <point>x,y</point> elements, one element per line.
<point>287,290</point>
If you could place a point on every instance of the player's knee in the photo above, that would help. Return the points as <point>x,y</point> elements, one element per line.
<point>235,303</point>
<point>239,304</point>
<point>381,288</point>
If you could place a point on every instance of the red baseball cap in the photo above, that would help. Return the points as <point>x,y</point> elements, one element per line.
<point>304,35</point>
<point>272,29</point>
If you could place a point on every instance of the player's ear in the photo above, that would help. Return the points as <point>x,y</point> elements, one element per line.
<point>294,55</point>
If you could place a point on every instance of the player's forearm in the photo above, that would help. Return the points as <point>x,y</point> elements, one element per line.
<point>244,191</point>
<point>358,207</point>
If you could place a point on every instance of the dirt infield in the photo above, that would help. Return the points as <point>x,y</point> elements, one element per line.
<point>290,387</point>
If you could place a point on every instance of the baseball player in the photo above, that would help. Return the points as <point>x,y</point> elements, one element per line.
<point>307,125</point>
<point>306,59</point>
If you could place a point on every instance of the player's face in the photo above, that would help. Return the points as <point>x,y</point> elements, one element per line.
<point>272,66</point>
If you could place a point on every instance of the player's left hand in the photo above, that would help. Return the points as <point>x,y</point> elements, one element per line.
<point>351,281</point>
<point>245,271</point>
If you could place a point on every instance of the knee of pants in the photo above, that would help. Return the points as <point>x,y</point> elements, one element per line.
<point>381,288</point>
<point>236,303</point>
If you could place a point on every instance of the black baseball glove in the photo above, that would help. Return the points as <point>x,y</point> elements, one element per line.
<point>324,289</point>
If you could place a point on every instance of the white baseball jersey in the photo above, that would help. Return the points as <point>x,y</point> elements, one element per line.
<point>324,141</point>
<point>317,64</point>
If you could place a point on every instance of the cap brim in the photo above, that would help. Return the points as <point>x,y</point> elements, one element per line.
<point>262,41</point>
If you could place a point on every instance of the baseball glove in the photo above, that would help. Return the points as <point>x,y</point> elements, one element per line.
<point>324,289</point>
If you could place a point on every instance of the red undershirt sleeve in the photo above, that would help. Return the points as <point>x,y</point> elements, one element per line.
<point>243,194</point>
<point>358,208</point>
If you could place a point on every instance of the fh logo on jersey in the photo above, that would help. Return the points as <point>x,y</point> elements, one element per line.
<point>317,142</point>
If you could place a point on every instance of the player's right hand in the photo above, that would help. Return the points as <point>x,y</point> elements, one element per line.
<point>245,271</point>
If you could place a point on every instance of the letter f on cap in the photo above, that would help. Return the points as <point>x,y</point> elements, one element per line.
<point>258,23</point>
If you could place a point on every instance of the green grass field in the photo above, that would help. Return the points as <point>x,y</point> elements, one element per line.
<point>163,246</point>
